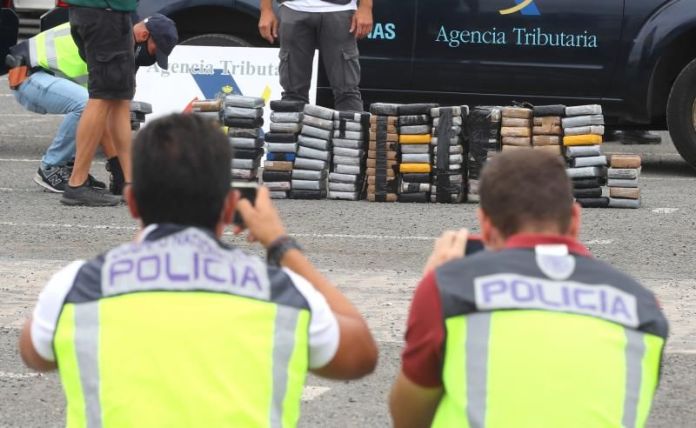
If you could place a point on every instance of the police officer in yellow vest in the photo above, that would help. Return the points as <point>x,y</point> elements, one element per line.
<point>178,329</point>
<point>533,332</point>
<point>50,76</point>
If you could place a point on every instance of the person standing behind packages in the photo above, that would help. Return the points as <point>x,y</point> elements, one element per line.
<point>102,30</point>
<point>333,27</point>
<point>179,329</point>
<point>534,332</point>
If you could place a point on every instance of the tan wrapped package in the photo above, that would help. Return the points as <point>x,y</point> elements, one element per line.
<point>517,141</point>
<point>509,131</point>
<point>517,112</point>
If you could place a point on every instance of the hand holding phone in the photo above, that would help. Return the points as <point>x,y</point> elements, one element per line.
<point>247,190</point>
<point>260,217</point>
<point>449,246</point>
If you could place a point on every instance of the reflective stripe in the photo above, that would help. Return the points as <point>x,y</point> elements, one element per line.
<point>81,80</point>
<point>51,54</point>
<point>478,328</point>
<point>87,350</point>
<point>635,350</point>
<point>283,347</point>
<point>33,52</point>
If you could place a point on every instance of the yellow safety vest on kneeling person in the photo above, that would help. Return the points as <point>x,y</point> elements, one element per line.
<point>180,331</point>
<point>55,50</point>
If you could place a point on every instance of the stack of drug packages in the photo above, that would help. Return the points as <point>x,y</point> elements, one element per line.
<point>623,173</point>
<point>311,169</point>
<point>281,145</point>
<point>483,129</point>
<point>516,128</point>
<point>244,118</point>
<point>449,166</point>
<point>209,109</point>
<point>583,128</point>
<point>350,141</point>
<point>547,131</point>
<point>382,163</point>
<point>138,111</point>
<point>415,152</point>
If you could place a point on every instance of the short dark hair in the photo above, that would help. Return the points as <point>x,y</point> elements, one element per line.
<point>181,171</point>
<point>526,188</point>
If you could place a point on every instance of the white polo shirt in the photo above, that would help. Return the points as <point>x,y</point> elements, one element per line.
<point>319,6</point>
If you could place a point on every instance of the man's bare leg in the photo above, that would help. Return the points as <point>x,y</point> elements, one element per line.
<point>120,130</point>
<point>90,132</point>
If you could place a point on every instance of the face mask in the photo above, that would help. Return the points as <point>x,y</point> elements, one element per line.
<point>142,56</point>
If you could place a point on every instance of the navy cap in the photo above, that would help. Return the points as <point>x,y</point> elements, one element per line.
<point>163,32</point>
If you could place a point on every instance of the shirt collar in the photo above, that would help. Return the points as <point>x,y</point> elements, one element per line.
<point>531,240</point>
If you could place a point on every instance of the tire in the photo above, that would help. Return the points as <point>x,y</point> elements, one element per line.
<point>216,39</point>
<point>681,113</point>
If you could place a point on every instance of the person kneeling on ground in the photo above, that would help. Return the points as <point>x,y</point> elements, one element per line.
<point>532,332</point>
<point>178,329</point>
<point>50,77</point>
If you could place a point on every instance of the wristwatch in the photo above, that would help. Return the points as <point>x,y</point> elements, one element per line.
<point>278,248</point>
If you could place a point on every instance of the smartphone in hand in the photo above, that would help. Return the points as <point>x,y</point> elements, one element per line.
<point>473,245</point>
<point>247,190</point>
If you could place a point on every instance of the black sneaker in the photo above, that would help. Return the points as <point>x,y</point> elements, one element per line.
<point>88,197</point>
<point>94,183</point>
<point>116,180</point>
<point>53,179</point>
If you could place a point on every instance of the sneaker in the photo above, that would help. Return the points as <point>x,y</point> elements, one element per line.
<point>116,179</point>
<point>88,196</point>
<point>53,179</point>
<point>91,181</point>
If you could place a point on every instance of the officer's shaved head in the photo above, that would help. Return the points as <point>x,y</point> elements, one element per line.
<point>181,171</point>
<point>526,189</point>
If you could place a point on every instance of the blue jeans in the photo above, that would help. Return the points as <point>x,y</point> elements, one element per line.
<point>44,93</point>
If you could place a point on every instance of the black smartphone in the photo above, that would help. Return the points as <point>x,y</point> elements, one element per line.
<point>247,190</point>
<point>473,245</point>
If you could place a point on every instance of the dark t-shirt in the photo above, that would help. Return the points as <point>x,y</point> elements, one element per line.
<point>119,5</point>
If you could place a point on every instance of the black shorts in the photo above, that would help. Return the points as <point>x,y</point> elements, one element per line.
<point>105,41</point>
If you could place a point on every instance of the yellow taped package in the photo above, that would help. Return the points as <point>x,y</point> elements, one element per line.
<point>582,140</point>
<point>415,139</point>
<point>415,168</point>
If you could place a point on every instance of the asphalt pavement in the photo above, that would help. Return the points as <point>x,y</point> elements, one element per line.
<point>374,252</point>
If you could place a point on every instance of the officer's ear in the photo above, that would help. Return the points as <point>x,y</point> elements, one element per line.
<point>129,197</point>
<point>575,219</point>
<point>491,236</point>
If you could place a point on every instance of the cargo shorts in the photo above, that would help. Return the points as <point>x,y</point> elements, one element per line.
<point>105,42</point>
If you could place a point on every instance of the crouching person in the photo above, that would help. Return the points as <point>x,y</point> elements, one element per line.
<point>533,332</point>
<point>178,329</point>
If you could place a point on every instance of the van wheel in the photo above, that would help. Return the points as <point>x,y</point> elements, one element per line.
<point>216,39</point>
<point>681,113</point>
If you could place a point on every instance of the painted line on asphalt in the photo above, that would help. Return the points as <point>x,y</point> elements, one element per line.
<point>665,210</point>
<point>10,375</point>
<point>296,235</point>
<point>312,392</point>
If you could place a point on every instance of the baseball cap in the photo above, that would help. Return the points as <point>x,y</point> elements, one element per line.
<point>163,32</point>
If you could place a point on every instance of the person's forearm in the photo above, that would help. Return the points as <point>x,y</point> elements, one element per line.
<point>298,263</point>
<point>268,5</point>
<point>362,3</point>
